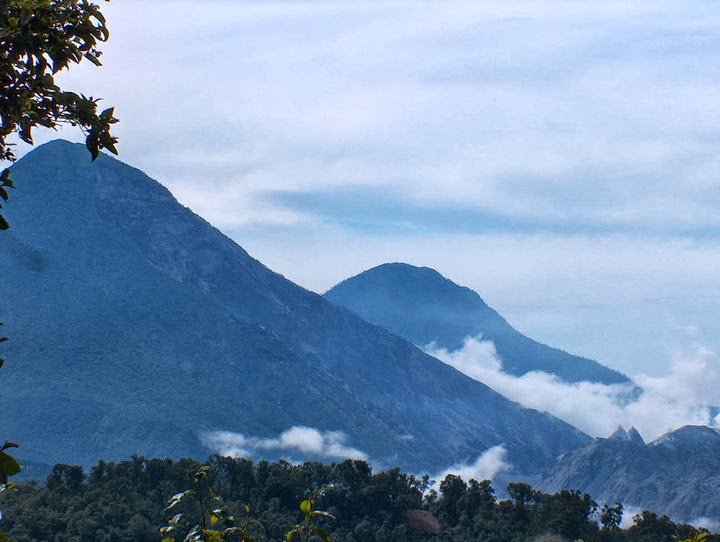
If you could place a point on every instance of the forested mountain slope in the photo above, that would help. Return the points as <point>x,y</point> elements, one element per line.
<point>136,327</point>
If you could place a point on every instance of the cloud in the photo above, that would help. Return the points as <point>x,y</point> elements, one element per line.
<point>683,396</point>
<point>297,439</point>
<point>522,110</point>
<point>628,302</point>
<point>486,466</point>
<point>597,117</point>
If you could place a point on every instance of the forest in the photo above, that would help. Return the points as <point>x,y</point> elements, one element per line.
<point>127,501</point>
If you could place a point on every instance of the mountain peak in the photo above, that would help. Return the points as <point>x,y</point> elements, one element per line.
<point>424,307</point>
<point>404,281</point>
<point>631,435</point>
<point>402,269</point>
<point>59,151</point>
<point>690,436</point>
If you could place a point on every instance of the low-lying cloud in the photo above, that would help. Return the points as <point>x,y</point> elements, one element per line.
<point>683,396</point>
<point>297,439</point>
<point>486,466</point>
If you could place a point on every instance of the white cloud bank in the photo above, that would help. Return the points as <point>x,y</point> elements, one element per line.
<point>683,396</point>
<point>331,445</point>
<point>305,440</point>
<point>486,466</point>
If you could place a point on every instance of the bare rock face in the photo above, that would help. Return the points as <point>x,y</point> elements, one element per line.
<point>136,327</point>
<point>677,474</point>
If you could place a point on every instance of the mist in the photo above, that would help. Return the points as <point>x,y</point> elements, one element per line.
<point>296,440</point>
<point>683,396</point>
<point>490,463</point>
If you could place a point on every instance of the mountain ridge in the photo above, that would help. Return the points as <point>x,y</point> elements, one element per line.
<point>132,314</point>
<point>426,308</point>
<point>676,474</point>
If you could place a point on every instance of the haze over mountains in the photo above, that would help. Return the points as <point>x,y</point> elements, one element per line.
<point>136,327</point>
<point>675,474</point>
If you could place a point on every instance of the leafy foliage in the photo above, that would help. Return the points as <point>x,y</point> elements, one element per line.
<point>216,524</point>
<point>38,39</point>
<point>306,531</point>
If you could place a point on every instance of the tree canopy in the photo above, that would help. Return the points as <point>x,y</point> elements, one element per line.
<point>128,501</point>
<point>38,39</point>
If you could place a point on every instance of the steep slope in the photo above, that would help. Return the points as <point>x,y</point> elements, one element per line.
<point>136,326</point>
<point>425,308</point>
<point>678,474</point>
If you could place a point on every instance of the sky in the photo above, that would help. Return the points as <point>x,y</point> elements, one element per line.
<point>561,158</point>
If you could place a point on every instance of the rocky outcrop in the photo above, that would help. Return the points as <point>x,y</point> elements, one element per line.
<point>677,474</point>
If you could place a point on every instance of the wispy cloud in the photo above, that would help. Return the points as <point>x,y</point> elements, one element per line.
<point>683,396</point>
<point>301,440</point>
<point>525,111</point>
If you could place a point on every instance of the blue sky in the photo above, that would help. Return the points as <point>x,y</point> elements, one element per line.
<point>561,158</point>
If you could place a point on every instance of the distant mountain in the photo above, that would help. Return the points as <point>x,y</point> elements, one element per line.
<point>677,474</point>
<point>425,308</point>
<point>136,327</point>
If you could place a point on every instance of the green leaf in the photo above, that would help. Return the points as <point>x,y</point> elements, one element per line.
<point>25,15</point>
<point>11,485</point>
<point>289,535</point>
<point>4,32</point>
<point>110,145</point>
<point>92,58</point>
<point>306,507</point>
<point>92,145</point>
<point>4,224</point>
<point>9,444</point>
<point>212,535</point>
<point>176,499</point>
<point>322,533</point>
<point>8,464</point>
<point>3,193</point>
